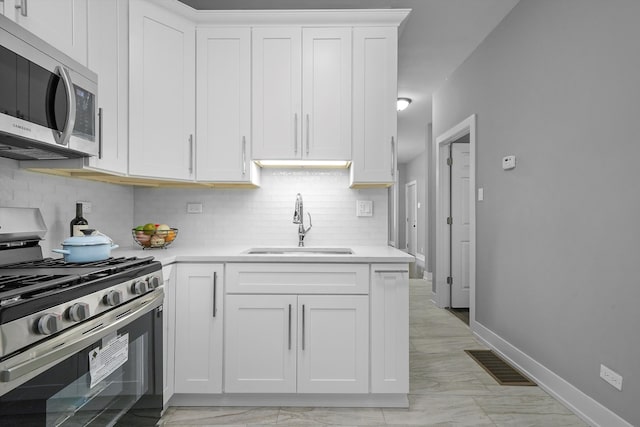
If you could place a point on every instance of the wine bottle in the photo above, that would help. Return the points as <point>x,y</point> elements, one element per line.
<point>78,223</point>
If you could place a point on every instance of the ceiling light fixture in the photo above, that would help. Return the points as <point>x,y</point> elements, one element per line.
<point>403,103</point>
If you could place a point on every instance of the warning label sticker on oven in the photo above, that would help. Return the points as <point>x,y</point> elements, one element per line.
<point>104,361</point>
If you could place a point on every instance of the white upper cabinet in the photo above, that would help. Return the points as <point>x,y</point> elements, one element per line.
<point>162,93</point>
<point>223,131</point>
<point>375,71</point>
<point>326,95</point>
<point>108,56</point>
<point>277,74</point>
<point>301,93</point>
<point>61,23</point>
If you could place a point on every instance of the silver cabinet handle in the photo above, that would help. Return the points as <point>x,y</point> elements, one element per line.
<point>62,138</point>
<point>303,326</point>
<point>289,326</point>
<point>295,133</point>
<point>191,153</point>
<point>244,156</point>
<point>393,157</point>
<point>215,291</point>
<point>307,135</point>
<point>23,7</point>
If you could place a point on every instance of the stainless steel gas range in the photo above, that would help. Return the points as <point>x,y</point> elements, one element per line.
<point>80,344</point>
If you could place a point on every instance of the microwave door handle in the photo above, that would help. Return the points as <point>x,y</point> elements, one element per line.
<point>62,138</point>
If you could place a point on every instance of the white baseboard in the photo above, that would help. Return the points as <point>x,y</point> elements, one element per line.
<point>390,400</point>
<point>591,411</point>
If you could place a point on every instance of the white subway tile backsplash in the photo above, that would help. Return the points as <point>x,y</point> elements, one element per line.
<point>263,216</point>
<point>251,217</point>
<point>56,197</point>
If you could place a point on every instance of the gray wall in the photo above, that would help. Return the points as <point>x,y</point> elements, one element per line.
<point>416,171</point>
<point>558,85</point>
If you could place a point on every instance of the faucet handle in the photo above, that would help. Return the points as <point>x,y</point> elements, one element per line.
<point>310,225</point>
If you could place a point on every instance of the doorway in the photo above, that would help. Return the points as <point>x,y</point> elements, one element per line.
<point>459,154</point>
<point>411,210</point>
<point>455,192</point>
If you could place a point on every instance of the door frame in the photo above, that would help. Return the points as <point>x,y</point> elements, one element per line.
<point>442,186</point>
<point>407,228</point>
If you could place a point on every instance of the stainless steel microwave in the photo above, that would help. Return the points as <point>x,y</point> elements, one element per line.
<point>48,101</point>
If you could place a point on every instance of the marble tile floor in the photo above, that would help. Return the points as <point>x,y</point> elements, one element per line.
<point>447,388</point>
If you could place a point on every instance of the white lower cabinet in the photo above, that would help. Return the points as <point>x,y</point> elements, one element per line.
<point>297,344</point>
<point>319,330</point>
<point>198,333</point>
<point>333,344</point>
<point>168,331</point>
<point>389,328</point>
<point>260,350</point>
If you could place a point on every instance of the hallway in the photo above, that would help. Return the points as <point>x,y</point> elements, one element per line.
<point>447,388</point>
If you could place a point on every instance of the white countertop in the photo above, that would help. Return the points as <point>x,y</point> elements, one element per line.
<point>177,253</point>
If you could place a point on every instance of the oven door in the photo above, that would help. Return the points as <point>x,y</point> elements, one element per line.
<point>112,376</point>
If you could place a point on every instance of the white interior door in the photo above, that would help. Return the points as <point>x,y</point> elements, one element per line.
<point>411,210</point>
<point>460,229</point>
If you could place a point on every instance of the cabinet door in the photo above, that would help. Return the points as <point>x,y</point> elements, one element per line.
<point>326,94</point>
<point>224,105</point>
<point>277,69</point>
<point>62,23</point>
<point>162,92</point>
<point>333,349</point>
<point>199,314</point>
<point>375,62</point>
<point>168,331</point>
<point>389,328</point>
<point>260,345</point>
<point>108,55</point>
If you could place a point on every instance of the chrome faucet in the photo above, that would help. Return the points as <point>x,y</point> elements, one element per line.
<point>298,218</point>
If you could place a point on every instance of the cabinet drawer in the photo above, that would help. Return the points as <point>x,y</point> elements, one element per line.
<point>284,278</point>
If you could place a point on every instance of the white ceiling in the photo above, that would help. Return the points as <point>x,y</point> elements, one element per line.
<point>436,38</point>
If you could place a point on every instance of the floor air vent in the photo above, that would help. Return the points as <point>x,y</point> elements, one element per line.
<point>500,370</point>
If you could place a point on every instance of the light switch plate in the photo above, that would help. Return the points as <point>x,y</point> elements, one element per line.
<point>364,208</point>
<point>508,162</point>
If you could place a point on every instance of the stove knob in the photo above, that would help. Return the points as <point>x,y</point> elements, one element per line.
<point>113,298</point>
<point>49,324</point>
<point>79,311</point>
<point>139,288</point>
<point>154,282</point>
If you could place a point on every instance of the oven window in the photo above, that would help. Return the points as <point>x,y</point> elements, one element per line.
<point>88,401</point>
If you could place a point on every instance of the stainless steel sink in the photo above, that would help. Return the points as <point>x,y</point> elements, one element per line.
<point>299,251</point>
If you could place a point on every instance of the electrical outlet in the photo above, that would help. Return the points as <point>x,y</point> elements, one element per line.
<point>194,208</point>
<point>611,377</point>
<point>86,206</point>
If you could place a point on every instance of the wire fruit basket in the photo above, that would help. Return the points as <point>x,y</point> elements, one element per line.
<point>154,239</point>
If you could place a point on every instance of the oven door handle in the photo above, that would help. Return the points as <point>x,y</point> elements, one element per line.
<point>93,331</point>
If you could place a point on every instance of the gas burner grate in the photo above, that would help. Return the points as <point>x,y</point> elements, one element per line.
<point>59,263</point>
<point>14,288</point>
